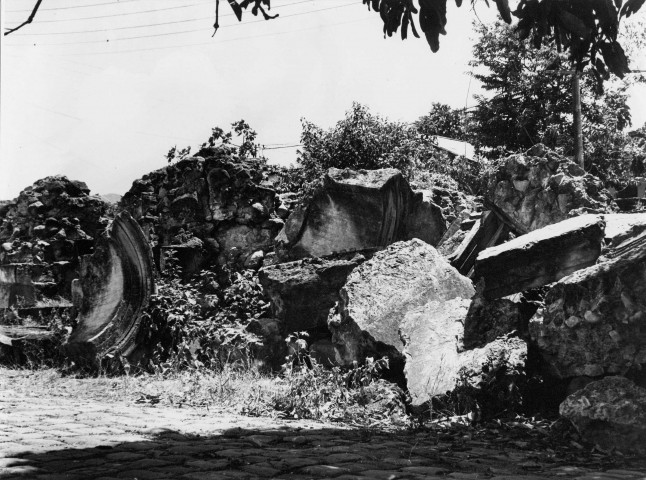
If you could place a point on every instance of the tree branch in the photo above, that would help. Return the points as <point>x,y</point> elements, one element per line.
<point>29,20</point>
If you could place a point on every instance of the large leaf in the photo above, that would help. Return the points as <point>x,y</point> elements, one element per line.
<point>237,9</point>
<point>503,8</point>
<point>432,20</point>
<point>573,24</point>
<point>631,6</point>
<point>615,58</point>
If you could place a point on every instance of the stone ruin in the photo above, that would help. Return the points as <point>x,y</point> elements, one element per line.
<point>210,211</point>
<point>43,234</point>
<point>63,258</point>
<point>542,275</point>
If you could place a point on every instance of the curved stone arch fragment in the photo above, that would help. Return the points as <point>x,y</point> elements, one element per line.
<point>114,287</point>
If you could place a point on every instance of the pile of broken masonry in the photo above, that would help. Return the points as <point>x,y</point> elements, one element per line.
<point>543,276</point>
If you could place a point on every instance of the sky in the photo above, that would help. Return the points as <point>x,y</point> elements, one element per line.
<point>100,90</point>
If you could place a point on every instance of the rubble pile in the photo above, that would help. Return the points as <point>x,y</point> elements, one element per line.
<point>43,234</point>
<point>611,413</point>
<point>540,187</point>
<point>218,201</point>
<point>454,291</point>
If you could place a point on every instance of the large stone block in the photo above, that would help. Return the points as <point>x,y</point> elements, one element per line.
<point>379,294</point>
<point>359,210</point>
<point>610,413</point>
<point>540,257</point>
<point>436,363</point>
<point>540,187</point>
<point>302,292</point>
<point>594,320</point>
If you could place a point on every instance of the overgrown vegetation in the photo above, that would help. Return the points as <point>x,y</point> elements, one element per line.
<point>201,323</point>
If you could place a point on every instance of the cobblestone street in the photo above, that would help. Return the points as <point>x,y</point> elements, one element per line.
<point>49,437</point>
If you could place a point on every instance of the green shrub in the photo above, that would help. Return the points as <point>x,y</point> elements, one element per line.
<point>200,323</point>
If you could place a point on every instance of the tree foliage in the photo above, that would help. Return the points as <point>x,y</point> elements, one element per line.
<point>533,101</point>
<point>586,29</point>
<point>533,104</point>
<point>248,147</point>
<point>442,120</point>
<point>362,140</point>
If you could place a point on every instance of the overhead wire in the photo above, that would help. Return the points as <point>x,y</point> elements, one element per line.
<point>123,14</point>
<point>182,31</point>
<point>73,6</point>
<point>22,34</point>
<point>237,39</point>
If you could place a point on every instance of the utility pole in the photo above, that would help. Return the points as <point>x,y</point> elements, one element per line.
<point>576,112</point>
<point>578,127</point>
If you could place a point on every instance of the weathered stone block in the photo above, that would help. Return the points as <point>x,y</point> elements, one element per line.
<point>302,292</point>
<point>594,320</point>
<point>540,187</point>
<point>540,257</point>
<point>379,294</point>
<point>610,413</point>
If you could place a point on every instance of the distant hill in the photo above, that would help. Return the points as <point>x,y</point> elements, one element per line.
<point>111,197</point>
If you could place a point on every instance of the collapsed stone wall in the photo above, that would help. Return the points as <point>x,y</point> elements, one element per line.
<point>215,210</point>
<point>540,187</point>
<point>43,234</point>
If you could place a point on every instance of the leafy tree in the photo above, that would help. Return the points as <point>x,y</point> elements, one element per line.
<point>528,106</point>
<point>361,140</point>
<point>247,148</point>
<point>444,121</point>
<point>533,101</point>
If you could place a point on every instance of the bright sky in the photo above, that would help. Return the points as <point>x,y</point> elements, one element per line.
<point>100,90</point>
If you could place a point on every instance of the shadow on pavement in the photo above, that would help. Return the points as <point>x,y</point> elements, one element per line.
<point>288,452</point>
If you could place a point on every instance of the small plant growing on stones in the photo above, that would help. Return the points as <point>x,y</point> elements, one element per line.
<point>356,395</point>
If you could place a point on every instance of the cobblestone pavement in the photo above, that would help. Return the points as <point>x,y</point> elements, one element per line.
<point>50,438</point>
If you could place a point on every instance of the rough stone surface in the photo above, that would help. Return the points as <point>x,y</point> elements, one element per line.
<point>380,292</point>
<point>623,226</point>
<point>486,231</point>
<point>43,233</point>
<point>540,187</point>
<point>490,319</point>
<point>610,413</point>
<point>432,337</point>
<point>593,322</point>
<point>302,292</point>
<point>358,210</point>
<point>540,257</point>
<point>425,219</point>
<point>219,200</point>
<point>116,283</point>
